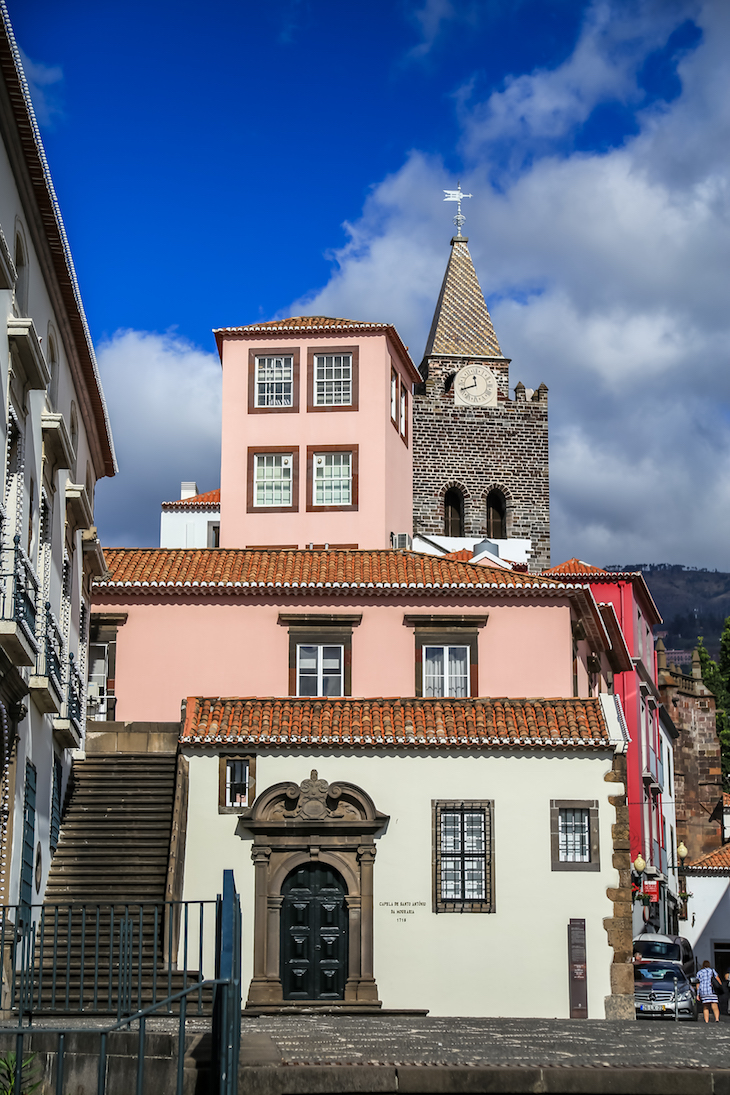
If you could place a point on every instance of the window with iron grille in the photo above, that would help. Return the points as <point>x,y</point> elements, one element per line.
<point>574,835</point>
<point>274,381</point>
<point>236,783</point>
<point>273,479</point>
<point>463,859</point>
<point>332,380</point>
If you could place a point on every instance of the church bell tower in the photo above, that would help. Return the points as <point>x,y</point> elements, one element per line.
<point>480,455</point>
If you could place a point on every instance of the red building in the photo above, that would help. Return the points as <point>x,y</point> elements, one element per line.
<point>625,598</point>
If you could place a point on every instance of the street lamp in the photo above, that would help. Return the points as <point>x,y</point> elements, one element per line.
<point>639,866</point>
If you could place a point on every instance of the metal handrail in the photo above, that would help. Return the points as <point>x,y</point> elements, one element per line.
<point>226,986</point>
<point>75,692</point>
<point>19,590</point>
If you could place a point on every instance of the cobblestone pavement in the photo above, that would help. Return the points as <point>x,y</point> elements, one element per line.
<point>401,1040</point>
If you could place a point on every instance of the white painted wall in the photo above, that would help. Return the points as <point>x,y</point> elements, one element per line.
<point>708,914</point>
<point>512,962</point>
<point>186,528</point>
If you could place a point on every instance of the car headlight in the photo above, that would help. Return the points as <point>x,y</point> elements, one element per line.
<point>686,995</point>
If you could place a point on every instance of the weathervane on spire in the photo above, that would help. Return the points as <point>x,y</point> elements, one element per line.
<point>456,196</point>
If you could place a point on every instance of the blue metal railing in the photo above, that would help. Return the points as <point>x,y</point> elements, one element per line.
<point>225,987</point>
<point>103,958</point>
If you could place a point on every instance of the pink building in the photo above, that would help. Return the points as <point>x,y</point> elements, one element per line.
<point>339,623</point>
<point>316,445</point>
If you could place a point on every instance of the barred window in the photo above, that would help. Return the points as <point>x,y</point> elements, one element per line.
<point>463,859</point>
<point>274,381</point>
<point>236,783</point>
<point>332,479</point>
<point>273,479</point>
<point>573,836</point>
<point>332,380</point>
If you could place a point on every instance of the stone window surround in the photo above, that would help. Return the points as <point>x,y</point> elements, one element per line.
<point>223,759</point>
<point>263,450</point>
<point>319,830</point>
<point>488,905</point>
<point>317,629</point>
<point>454,630</point>
<point>558,864</point>
<point>319,351</point>
<point>289,351</point>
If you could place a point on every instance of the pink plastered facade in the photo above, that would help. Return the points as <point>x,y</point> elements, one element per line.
<point>380,446</point>
<point>191,644</point>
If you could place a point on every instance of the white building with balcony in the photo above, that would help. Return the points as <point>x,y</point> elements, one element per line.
<point>56,442</point>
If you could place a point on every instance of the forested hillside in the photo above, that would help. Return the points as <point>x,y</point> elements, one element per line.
<point>693,602</point>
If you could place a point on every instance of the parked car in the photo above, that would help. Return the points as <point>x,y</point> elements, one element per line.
<point>654,991</point>
<point>667,948</point>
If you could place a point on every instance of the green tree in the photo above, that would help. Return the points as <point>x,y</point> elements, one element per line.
<point>716,675</point>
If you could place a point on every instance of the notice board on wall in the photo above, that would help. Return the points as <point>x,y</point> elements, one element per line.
<point>577,979</point>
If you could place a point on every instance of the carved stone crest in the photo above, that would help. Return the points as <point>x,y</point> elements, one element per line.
<point>314,799</point>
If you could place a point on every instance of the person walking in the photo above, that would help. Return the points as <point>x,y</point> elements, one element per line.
<point>707,991</point>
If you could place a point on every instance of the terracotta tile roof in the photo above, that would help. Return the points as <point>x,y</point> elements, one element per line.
<point>210,499</point>
<point>463,555</point>
<point>315,325</point>
<point>575,569</point>
<point>357,570</point>
<point>394,723</point>
<point>461,323</point>
<point>575,566</point>
<point>717,862</point>
<point>307,323</point>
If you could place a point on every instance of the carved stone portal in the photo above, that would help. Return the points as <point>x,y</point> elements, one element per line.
<point>335,824</point>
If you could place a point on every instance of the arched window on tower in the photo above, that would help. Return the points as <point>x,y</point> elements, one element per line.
<point>453,512</point>
<point>496,515</point>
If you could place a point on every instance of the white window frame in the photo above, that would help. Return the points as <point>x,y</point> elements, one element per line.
<point>329,384</point>
<point>394,397</point>
<point>320,461</point>
<point>230,782</point>
<point>320,647</point>
<point>403,410</point>
<point>269,385</point>
<point>273,457</point>
<point>447,676</point>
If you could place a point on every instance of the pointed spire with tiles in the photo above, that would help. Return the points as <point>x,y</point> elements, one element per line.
<point>462,326</point>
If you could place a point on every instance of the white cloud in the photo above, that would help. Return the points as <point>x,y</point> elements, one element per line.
<point>164,399</point>
<point>607,278</point>
<point>42,80</point>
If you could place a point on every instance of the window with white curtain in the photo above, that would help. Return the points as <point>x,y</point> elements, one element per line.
<point>445,671</point>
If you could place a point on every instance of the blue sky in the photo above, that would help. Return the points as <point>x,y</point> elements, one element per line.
<point>222,163</point>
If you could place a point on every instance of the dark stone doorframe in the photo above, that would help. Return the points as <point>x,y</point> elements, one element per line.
<point>334,824</point>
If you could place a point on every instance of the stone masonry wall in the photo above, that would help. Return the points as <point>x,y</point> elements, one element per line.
<point>478,449</point>
<point>698,775</point>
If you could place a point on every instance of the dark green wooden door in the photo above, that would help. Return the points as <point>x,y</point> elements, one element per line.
<point>313,934</point>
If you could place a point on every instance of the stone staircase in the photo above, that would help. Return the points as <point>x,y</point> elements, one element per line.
<point>103,933</point>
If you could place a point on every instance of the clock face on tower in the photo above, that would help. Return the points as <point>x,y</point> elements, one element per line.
<point>475,386</point>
